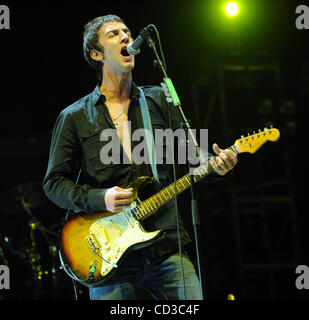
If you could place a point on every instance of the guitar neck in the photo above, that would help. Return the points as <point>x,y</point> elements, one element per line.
<point>152,204</point>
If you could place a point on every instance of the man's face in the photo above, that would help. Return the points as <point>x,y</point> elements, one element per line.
<point>114,37</point>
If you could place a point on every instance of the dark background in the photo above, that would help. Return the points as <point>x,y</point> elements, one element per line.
<point>233,76</point>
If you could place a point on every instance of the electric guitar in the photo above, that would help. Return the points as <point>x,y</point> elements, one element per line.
<point>94,245</point>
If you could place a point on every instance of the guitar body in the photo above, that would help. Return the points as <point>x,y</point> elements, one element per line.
<point>104,239</point>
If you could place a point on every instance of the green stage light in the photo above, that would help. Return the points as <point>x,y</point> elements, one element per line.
<point>231,9</point>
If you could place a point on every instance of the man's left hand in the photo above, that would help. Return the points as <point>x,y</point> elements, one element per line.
<point>225,161</point>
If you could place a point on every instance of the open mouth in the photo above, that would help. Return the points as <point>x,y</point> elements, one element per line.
<point>124,52</point>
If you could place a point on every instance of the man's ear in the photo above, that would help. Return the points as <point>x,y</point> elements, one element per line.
<point>96,55</point>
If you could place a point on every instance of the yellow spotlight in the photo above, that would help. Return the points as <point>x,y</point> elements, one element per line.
<point>231,9</point>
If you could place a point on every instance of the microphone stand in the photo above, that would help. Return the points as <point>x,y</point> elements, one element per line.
<point>172,97</point>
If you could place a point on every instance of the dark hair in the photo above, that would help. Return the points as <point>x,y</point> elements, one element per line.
<point>91,37</point>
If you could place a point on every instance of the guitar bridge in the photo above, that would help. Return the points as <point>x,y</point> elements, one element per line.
<point>93,243</point>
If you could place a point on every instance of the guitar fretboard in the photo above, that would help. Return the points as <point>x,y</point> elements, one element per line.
<point>152,204</point>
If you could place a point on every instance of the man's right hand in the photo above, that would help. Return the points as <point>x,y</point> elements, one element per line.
<point>116,198</point>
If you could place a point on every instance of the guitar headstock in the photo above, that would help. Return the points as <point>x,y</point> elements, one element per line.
<point>253,142</point>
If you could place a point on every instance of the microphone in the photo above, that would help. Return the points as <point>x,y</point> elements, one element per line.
<point>92,269</point>
<point>133,48</point>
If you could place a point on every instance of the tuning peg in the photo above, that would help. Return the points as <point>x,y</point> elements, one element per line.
<point>253,132</point>
<point>259,130</point>
<point>265,129</point>
<point>242,136</point>
<point>271,126</point>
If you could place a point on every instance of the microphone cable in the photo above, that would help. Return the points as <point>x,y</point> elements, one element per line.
<point>177,210</point>
<point>174,167</point>
<point>169,105</point>
<point>159,42</point>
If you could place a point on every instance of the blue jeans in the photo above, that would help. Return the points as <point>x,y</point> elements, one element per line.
<point>161,276</point>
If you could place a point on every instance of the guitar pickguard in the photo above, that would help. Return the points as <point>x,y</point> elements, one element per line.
<point>110,237</point>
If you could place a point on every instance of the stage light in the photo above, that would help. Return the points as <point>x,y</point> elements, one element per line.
<point>231,9</point>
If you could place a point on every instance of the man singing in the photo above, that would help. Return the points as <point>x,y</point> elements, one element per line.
<point>114,104</point>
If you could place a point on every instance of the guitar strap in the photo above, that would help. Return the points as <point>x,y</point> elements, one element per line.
<point>148,134</point>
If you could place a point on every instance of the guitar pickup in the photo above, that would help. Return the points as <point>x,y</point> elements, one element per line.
<point>115,225</point>
<point>104,235</point>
